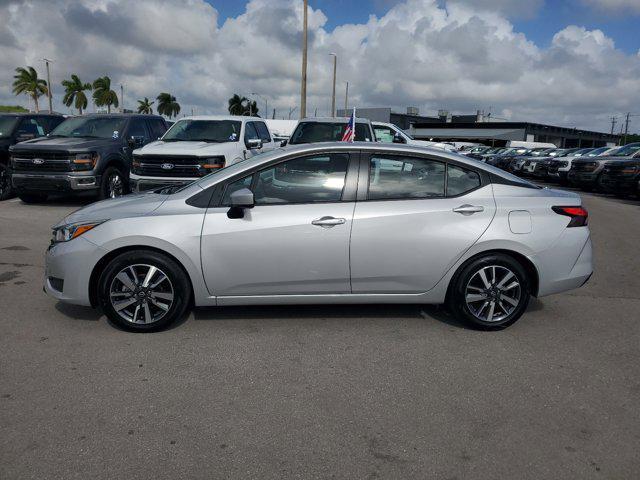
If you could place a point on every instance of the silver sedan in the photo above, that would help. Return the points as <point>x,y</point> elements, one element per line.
<point>326,223</point>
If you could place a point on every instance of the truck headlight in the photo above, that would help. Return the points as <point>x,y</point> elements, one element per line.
<point>211,164</point>
<point>68,232</point>
<point>84,161</point>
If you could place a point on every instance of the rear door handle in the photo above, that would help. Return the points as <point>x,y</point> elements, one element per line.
<point>467,209</point>
<point>328,222</point>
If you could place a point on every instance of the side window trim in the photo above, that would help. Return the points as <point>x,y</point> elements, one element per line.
<point>351,184</point>
<point>362,194</point>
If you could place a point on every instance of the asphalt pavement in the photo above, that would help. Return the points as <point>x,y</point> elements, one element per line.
<point>345,392</point>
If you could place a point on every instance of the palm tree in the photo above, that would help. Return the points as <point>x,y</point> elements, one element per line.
<point>242,106</point>
<point>237,104</point>
<point>27,82</point>
<point>102,93</point>
<point>144,106</point>
<point>167,105</point>
<point>74,93</point>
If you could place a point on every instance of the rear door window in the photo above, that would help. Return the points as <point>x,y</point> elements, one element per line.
<point>461,180</point>
<point>397,177</point>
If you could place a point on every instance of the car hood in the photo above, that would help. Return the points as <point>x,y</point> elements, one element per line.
<point>186,148</point>
<point>134,205</point>
<point>62,143</point>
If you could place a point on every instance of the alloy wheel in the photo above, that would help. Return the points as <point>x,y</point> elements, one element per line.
<point>493,293</point>
<point>115,185</point>
<point>141,294</point>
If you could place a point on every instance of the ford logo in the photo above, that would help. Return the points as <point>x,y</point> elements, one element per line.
<point>38,161</point>
<point>167,166</point>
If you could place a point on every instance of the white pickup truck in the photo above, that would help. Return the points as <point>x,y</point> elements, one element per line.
<point>390,133</point>
<point>196,146</point>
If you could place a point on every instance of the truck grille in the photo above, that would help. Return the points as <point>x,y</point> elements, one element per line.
<point>584,166</point>
<point>56,161</point>
<point>172,165</point>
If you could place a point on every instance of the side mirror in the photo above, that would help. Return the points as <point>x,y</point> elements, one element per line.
<point>397,138</point>
<point>240,200</point>
<point>136,142</point>
<point>253,143</point>
<point>283,143</point>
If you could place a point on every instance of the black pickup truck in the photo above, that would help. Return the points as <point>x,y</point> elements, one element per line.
<point>18,127</point>
<point>86,153</point>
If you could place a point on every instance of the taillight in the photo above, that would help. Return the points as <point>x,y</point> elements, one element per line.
<point>579,215</point>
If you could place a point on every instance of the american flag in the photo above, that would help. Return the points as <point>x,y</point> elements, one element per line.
<point>350,132</point>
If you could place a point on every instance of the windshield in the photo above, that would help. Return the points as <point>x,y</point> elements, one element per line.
<point>215,131</point>
<point>597,151</point>
<point>625,151</point>
<point>90,127</point>
<point>312,132</point>
<point>7,124</point>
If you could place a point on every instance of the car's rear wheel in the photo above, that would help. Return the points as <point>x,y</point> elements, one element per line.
<point>490,292</point>
<point>6,190</point>
<point>32,197</point>
<point>144,291</point>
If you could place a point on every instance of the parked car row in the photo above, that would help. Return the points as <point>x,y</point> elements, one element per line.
<point>112,154</point>
<point>607,169</point>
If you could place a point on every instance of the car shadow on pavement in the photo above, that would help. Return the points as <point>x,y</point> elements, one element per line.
<point>78,312</point>
<point>320,312</point>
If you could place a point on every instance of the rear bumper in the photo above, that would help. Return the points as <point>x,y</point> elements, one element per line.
<point>53,183</point>
<point>142,184</point>
<point>560,269</point>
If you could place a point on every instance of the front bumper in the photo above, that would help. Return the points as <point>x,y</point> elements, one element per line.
<point>619,184</point>
<point>142,184</point>
<point>52,183</point>
<point>68,267</point>
<point>582,178</point>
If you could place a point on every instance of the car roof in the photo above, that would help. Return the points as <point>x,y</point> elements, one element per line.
<point>30,114</point>
<point>237,118</point>
<point>333,119</point>
<point>119,115</point>
<point>386,148</point>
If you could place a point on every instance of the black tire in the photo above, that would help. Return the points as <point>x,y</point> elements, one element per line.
<point>112,290</point>
<point>469,277</point>
<point>113,183</point>
<point>32,197</point>
<point>6,189</point>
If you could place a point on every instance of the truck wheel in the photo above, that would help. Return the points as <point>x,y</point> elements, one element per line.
<point>6,189</point>
<point>113,184</point>
<point>32,197</point>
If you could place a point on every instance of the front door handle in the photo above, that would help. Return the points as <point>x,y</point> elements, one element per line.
<point>467,209</point>
<point>328,222</point>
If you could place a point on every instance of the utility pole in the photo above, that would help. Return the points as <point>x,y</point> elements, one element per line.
<point>346,99</point>
<point>303,88</point>
<point>614,120</point>
<point>121,98</point>
<point>47,61</point>
<point>626,128</point>
<point>333,95</point>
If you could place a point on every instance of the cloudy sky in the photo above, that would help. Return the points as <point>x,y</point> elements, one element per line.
<point>570,62</point>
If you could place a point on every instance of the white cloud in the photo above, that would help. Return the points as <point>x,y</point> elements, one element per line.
<point>614,6</point>
<point>420,54</point>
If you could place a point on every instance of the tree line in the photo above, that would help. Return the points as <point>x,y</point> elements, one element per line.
<point>27,82</point>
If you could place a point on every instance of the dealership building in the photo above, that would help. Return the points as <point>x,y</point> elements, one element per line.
<point>480,128</point>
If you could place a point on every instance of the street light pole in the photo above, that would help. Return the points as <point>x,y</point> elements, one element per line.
<point>47,61</point>
<point>303,88</point>
<point>121,98</point>
<point>346,99</point>
<point>333,96</point>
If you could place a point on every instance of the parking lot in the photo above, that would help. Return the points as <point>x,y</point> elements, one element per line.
<point>322,392</point>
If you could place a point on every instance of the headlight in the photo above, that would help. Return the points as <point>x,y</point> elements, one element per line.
<point>211,164</point>
<point>73,230</point>
<point>84,161</point>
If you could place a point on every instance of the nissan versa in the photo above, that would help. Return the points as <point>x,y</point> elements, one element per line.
<point>326,223</point>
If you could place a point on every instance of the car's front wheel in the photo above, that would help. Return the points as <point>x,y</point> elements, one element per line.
<point>144,291</point>
<point>113,183</point>
<point>6,190</point>
<point>490,292</point>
